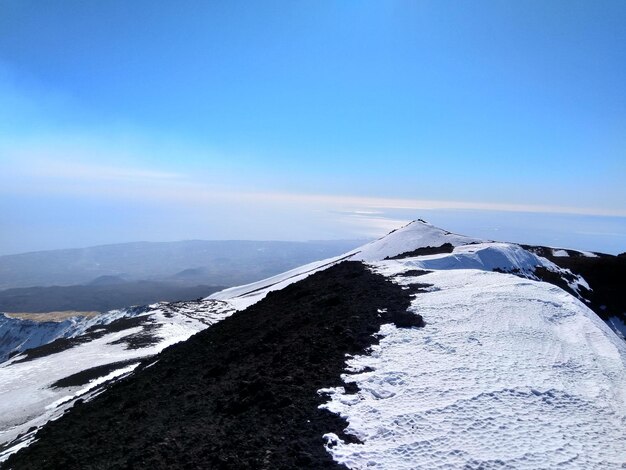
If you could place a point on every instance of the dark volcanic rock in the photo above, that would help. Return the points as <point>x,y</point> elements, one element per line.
<point>425,250</point>
<point>85,376</point>
<point>413,273</point>
<point>241,394</point>
<point>605,274</point>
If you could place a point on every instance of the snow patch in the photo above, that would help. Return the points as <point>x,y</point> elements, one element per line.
<point>560,253</point>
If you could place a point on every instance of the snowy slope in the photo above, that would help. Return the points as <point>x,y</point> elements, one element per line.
<point>507,373</point>
<point>106,347</point>
<point>467,252</point>
<point>18,334</point>
<point>243,296</point>
<point>417,234</point>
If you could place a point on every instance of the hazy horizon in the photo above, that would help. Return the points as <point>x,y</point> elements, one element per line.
<point>125,121</point>
<point>557,230</point>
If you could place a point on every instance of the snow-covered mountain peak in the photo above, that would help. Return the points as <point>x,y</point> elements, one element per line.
<point>416,235</point>
<point>420,245</point>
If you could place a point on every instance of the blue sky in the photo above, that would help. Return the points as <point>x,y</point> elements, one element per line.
<point>298,120</point>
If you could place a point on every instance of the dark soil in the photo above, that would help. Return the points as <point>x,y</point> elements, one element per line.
<point>87,375</point>
<point>241,394</point>
<point>605,274</point>
<point>414,273</point>
<point>425,250</point>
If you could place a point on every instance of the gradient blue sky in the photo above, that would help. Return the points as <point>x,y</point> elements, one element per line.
<point>152,120</point>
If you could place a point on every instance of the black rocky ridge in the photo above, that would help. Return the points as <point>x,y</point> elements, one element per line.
<point>425,250</point>
<point>605,274</point>
<point>240,394</point>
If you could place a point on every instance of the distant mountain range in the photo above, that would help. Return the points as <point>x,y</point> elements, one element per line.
<point>100,296</point>
<point>102,278</point>
<point>207,262</point>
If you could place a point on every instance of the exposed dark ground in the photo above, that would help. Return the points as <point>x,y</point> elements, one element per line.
<point>241,394</point>
<point>425,250</point>
<point>605,274</point>
<point>83,377</point>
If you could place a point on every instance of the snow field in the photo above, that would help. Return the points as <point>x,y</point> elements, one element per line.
<point>507,373</point>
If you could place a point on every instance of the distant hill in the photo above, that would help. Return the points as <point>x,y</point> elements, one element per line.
<point>190,273</point>
<point>99,297</point>
<point>107,281</point>
<point>195,262</point>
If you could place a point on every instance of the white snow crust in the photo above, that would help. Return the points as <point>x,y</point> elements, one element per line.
<point>559,252</point>
<point>507,373</point>
<point>483,256</point>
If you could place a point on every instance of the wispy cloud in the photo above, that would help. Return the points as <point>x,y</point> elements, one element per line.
<point>358,203</point>
<point>118,181</point>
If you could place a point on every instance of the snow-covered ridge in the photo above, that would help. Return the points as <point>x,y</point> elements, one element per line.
<point>566,253</point>
<point>467,253</point>
<point>27,397</point>
<point>417,234</point>
<point>508,372</point>
<point>483,256</point>
<point>496,256</point>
